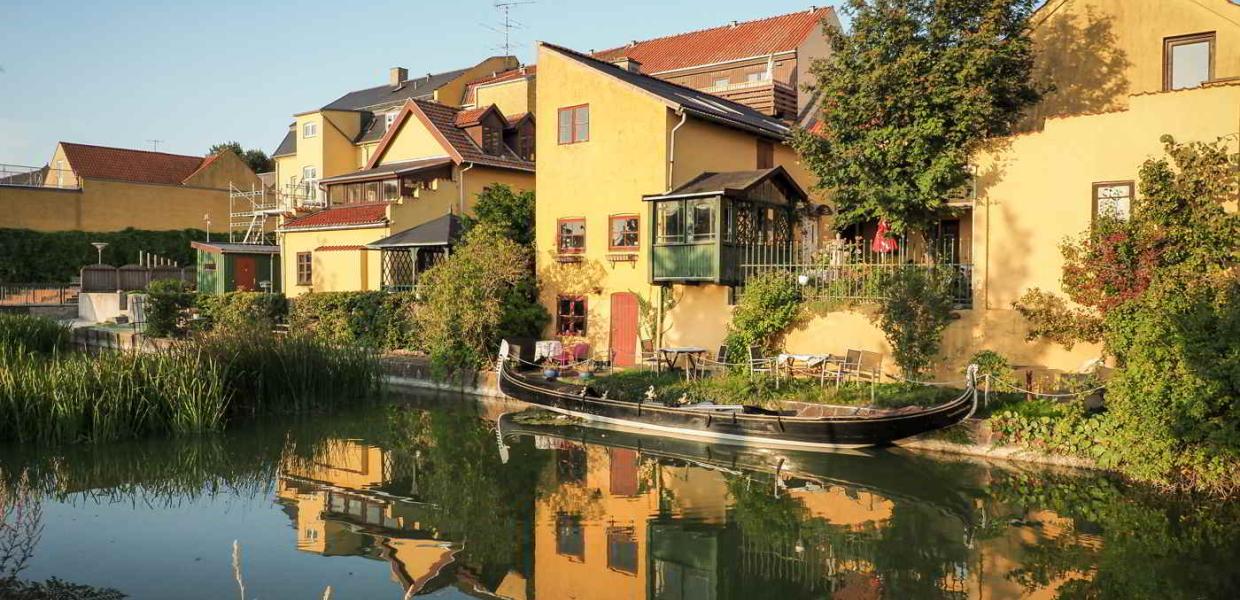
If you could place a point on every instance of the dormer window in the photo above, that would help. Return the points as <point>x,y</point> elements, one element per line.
<point>388,119</point>
<point>492,140</point>
<point>309,130</point>
<point>1188,61</point>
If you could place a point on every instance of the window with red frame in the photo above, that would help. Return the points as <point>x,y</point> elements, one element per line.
<point>575,124</point>
<point>624,232</point>
<point>570,315</point>
<point>571,236</point>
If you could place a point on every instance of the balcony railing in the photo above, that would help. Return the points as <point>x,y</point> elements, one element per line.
<point>24,176</point>
<point>771,97</point>
<point>38,294</point>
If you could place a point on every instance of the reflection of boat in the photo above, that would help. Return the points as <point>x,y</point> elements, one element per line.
<point>809,427</point>
<point>902,475</point>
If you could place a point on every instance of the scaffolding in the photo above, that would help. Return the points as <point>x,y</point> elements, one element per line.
<point>253,213</point>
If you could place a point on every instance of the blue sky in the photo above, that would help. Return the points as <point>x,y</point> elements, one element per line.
<point>119,73</point>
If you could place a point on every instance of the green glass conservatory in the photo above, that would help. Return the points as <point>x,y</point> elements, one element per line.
<point>709,229</point>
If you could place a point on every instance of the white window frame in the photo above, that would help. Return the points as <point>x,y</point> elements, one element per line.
<point>309,130</point>
<point>388,119</point>
<point>310,179</point>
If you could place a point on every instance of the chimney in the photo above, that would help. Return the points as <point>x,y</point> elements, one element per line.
<point>628,63</point>
<point>396,76</point>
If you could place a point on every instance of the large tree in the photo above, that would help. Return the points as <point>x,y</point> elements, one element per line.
<point>908,96</point>
<point>258,160</point>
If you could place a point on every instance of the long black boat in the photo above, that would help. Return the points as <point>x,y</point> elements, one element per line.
<point>803,426</point>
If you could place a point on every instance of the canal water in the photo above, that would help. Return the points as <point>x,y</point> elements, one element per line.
<point>451,498</point>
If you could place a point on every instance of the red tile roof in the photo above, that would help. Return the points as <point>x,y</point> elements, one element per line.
<point>444,119</point>
<point>359,214</point>
<point>721,44</point>
<point>465,118</point>
<point>130,165</point>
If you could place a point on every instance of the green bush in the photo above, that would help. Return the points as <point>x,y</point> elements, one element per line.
<point>34,334</point>
<point>58,256</point>
<point>768,306</point>
<point>166,303</point>
<point>371,319</point>
<point>243,311</point>
<point>917,306</point>
<point>995,365</point>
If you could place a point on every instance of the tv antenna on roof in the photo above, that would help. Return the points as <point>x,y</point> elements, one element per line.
<point>505,6</point>
<point>155,145</point>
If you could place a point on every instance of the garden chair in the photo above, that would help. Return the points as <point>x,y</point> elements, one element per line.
<point>717,365</point>
<point>576,353</point>
<point>761,364</point>
<point>649,358</point>
<point>861,365</point>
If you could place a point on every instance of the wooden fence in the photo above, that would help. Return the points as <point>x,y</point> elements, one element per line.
<point>129,278</point>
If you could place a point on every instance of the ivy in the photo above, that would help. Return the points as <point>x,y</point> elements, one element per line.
<point>916,307</point>
<point>768,306</point>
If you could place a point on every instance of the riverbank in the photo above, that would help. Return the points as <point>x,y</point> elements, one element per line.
<point>973,438</point>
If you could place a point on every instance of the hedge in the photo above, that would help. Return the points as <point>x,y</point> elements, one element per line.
<point>243,311</point>
<point>375,319</point>
<point>28,256</point>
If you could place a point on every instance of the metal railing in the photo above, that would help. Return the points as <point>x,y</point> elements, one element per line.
<point>853,272</point>
<point>38,294</point>
<point>25,176</point>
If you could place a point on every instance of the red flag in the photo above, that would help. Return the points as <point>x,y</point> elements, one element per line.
<point>883,244</point>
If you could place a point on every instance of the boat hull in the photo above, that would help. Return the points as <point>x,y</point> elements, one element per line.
<point>765,430</point>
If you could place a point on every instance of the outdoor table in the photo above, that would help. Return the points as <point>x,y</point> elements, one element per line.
<point>671,355</point>
<point>811,361</point>
<point>547,349</point>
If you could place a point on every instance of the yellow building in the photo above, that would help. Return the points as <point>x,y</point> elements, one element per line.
<point>620,135</point>
<point>1126,73</point>
<point>398,214</point>
<point>98,188</point>
<point>343,135</point>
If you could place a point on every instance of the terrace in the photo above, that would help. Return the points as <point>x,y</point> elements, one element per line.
<point>46,177</point>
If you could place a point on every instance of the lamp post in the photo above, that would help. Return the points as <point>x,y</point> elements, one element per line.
<point>207,219</point>
<point>99,246</point>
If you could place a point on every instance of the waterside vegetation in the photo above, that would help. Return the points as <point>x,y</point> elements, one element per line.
<point>50,394</point>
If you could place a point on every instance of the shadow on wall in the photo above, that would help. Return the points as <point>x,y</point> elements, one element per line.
<point>1079,62</point>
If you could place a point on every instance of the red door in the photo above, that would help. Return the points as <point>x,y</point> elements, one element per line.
<point>244,274</point>
<point>624,328</point>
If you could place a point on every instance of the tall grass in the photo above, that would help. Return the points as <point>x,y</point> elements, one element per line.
<point>34,333</point>
<point>196,386</point>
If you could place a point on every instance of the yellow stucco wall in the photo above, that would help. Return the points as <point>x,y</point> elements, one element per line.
<point>333,270</point>
<point>41,209</point>
<point>454,92</point>
<point>624,158</point>
<point>412,141</point>
<point>106,205</point>
<point>226,169</point>
<point>340,128</point>
<point>1098,52</point>
<point>511,97</point>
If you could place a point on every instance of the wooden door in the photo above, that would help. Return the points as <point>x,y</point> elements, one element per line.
<point>245,274</point>
<point>624,329</point>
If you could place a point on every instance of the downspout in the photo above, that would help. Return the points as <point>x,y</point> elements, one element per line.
<point>461,190</point>
<point>671,171</point>
<point>671,152</point>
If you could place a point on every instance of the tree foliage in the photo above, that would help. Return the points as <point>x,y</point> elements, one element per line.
<point>916,307</point>
<point>468,299</point>
<point>768,306</point>
<point>1162,285</point>
<point>510,211</point>
<point>908,95</point>
<point>257,160</point>
<point>29,256</point>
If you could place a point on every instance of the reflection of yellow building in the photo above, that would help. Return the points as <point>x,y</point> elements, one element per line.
<point>337,514</point>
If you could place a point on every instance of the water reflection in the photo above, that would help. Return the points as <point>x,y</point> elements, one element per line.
<point>455,499</point>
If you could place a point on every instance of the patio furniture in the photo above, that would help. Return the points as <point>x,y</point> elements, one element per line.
<point>861,365</point>
<point>761,364</point>
<point>648,357</point>
<point>579,352</point>
<point>603,360</point>
<point>690,353</point>
<point>717,365</point>
<point>547,349</point>
<point>812,365</point>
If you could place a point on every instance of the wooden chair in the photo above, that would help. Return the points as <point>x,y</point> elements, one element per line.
<point>649,358</point>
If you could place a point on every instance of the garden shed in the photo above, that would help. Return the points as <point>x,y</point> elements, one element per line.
<point>237,267</point>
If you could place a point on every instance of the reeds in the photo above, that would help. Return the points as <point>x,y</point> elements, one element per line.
<point>196,386</point>
<point>34,333</point>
